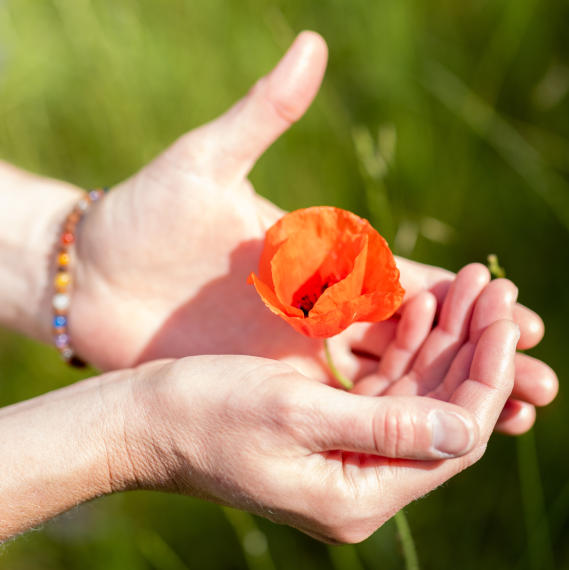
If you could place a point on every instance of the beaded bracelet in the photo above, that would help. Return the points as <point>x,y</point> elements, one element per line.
<point>62,281</point>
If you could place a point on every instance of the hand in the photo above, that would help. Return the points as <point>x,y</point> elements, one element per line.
<point>163,259</point>
<point>255,434</point>
<point>330,463</point>
<point>420,359</point>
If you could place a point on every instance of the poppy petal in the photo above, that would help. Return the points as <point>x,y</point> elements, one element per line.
<point>323,268</point>
<point>271,300</point>
<point>348,288</point>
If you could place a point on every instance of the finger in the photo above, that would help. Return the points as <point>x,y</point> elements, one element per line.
<point>277,100</point>
<point>536,383</point>
<point>531,327</point>
<point>516,418</point>
<point>397,427</point>
<point>414,327</point>
<point>442,345</point>
<point>484,395</point>
<point>458,306</point>
<point>496,302</point>
<point>491,377</point>
<point>416,277</point>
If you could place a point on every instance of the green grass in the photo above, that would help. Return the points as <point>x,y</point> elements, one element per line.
<point>446,123</point>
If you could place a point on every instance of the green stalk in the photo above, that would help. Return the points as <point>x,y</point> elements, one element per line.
<point>539,545</point>
<point>345,382</point>
<point>345,557</point>
<point>157,551</point>
<point>245,527</point>
<point>407,542</point>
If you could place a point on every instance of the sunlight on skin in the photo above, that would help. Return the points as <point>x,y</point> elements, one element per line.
<point>243,430</point>
<point>170,297</point>
<point>164,308</point>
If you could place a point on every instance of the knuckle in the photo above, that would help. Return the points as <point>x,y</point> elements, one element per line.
<point>395,435</point>
<point>285,406</point>
<point>285,109</point>
<point>506,288</point>
<point>289,411</point>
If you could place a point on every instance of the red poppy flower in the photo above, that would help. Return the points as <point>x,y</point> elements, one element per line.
<point>323,268</point>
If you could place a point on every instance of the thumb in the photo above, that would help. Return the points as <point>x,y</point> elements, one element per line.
<point>245,131</point>
<point>391,426</point>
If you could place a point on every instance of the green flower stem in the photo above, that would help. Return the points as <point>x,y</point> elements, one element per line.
<point>345,382</point>
<point>407,543</point>
<point>496,270</point>
<point>403,529</point>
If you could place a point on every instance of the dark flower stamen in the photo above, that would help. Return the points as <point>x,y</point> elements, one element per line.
<point>306,303</point>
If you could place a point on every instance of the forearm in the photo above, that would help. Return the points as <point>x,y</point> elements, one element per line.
<point>32,210</point>
<point>61,449</point>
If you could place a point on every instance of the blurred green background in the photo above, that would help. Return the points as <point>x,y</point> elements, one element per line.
<point>446,123</point>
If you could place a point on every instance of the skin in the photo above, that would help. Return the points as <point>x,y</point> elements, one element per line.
<point>141,294</point>
<point>160,274</point>
<point>418,352</point>
<point>267,439</point>
<point>161,306</point>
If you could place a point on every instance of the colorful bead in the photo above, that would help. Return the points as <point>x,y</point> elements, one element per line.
<point>61,340</point>
<point>82,205</point>
<point>59,321</point>
<point>62,280</point>
<point>67,238</point>
<point>72,220</point>
<point>67,353</point>
<point>61,302</point>
<point>63,259</point>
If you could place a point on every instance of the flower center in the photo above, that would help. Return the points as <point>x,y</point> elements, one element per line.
<point>306,303</point>
<point>305,298</point>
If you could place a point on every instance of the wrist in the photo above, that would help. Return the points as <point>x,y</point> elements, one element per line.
<point>60,450</point>
<point>123,428</point>
<point>35,208</point>
<point>142,457</point>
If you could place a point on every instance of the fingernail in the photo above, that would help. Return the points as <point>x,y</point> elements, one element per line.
<point>298,72</point>
<point>452,434</point>
<point>287,64</point>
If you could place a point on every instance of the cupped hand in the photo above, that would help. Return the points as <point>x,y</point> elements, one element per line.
<point>425,357</point>
<point>163,259</point>
<point>333,464</point>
